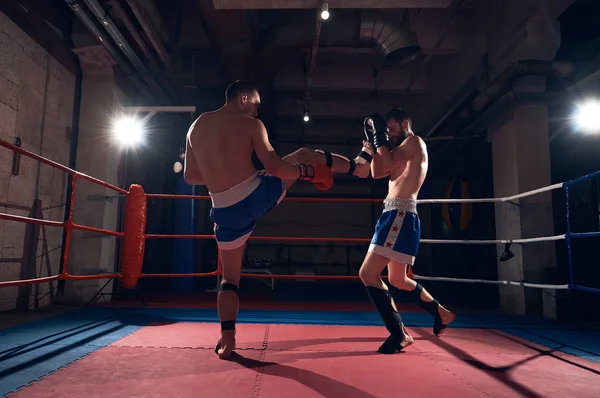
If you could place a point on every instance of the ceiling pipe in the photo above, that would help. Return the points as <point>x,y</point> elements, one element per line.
<point>116,35</point>
<point>438,44</point>
<point>92,25</point>
<point>395,42</point>
<point>117,11</point>
<point>151,33</point>
<point>231,34</point>
<point>503,85</point>
<point>489,103</point>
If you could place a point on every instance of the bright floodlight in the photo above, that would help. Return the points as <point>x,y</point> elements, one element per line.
<point>325,10</point>
<point>587,116</point>
<point>128,130</point>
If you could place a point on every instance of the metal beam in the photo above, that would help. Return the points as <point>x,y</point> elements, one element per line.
<point>349,95</point>
<point>163,109</point>
<point>288,4</point>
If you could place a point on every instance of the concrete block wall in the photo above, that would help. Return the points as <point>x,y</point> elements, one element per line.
<point>36,105</point>
<point>99,156</point>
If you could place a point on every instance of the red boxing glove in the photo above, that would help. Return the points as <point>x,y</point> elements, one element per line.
<point>319,174</point>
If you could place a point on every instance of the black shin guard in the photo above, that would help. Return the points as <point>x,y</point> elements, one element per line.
<point>352,167</point>
<point>228,325</point>
<point>381,299</point>
<point>431,307</point>
<point>328,158</point>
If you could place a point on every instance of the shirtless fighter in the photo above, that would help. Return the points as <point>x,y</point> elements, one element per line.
<point>402,156</point>
<point>219,147</point>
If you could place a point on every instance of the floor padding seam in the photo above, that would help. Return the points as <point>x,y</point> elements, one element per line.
<point>264,348</point>
<point>259,373</point>
<point>428,355</point>
<point>96,348</point>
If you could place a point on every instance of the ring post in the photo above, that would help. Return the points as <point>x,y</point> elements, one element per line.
<point>134,239</point>
<point>185,223</point>
<point>568,234</point>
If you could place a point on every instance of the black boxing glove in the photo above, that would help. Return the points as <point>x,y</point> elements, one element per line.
<point>380,136</point>
<point>369,130</point>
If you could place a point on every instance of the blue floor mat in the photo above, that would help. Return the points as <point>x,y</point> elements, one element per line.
<point>33,350</point>
<point>583,344</point>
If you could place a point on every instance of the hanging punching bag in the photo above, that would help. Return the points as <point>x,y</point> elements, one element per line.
<point>457,216</point>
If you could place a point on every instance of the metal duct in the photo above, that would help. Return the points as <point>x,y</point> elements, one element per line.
<point>469,118</point>
<point>392,40</point>
<point>104,40</point>
<point>231,33</point>
<point>116,11</point>
<point>116,35</point>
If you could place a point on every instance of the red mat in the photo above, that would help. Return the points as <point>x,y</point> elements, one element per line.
<point>192,335</point>
<point>320,361</point>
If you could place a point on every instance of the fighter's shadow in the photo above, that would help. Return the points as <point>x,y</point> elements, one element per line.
<point>324,385</point>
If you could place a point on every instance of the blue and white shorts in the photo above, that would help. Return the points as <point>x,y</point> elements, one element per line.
<point>398,231</point>
<point>236,210</point>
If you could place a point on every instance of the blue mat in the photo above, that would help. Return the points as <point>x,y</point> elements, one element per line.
<point>36,349</point>
<point>33,350</point>
<point>583,344</point>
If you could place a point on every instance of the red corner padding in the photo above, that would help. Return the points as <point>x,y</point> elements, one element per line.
<point>134,239</point>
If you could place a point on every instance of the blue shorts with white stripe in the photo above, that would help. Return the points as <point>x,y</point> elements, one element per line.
<point>397,236</point>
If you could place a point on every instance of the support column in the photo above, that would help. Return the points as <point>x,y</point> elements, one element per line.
<point>99,157</point>
<point>521,161</point>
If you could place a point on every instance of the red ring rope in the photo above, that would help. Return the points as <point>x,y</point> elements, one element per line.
<point>134,236</point>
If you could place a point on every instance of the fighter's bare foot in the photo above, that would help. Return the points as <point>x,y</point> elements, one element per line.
<point>396,343</point>
<point>408,339</point>
<point>442,320</point>
<point>226,344</point>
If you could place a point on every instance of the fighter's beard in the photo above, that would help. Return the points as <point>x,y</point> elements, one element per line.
<point>396,141</point>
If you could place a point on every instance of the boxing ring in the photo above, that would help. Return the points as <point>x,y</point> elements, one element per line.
<point>326,352</point>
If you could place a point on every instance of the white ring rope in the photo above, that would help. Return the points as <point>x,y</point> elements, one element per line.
<point>489,282</point>
<point>492,241</point>
<point>494,200</point>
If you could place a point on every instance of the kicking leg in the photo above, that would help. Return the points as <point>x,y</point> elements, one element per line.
<point>337,163</point>
<point>399,279</point>
<point>370,274</point>
<point>228,299</point>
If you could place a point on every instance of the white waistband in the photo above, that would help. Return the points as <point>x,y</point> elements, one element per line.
<point>402,204</point>
<point>236,193</point>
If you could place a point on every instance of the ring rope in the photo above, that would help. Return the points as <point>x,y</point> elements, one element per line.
<point>69,225</point>
<point>491,282</point>
<point>495,200</point>
<point>494,241</point>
